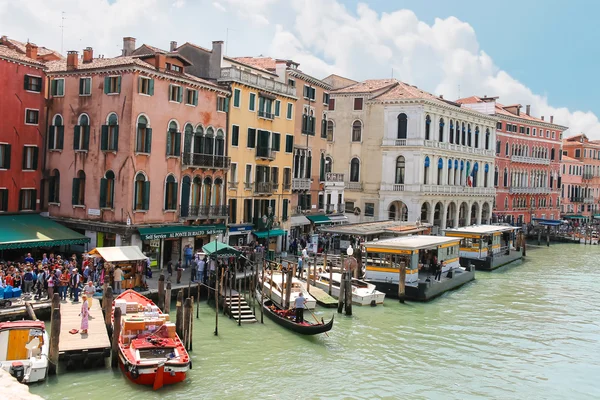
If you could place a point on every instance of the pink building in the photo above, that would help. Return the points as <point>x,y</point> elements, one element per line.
<point>136,151</point>
<point>528,151</point>
<point>572,178</point>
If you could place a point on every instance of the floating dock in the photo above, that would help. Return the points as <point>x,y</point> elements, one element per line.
<point>322,298</point>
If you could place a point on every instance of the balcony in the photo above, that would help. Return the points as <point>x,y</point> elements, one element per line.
<point>300,183</point>
<point>232,185</point>
<point>354,186</point>
<point>588,200</point>
<point>460,190</point>
<point>530,190</point>
<point>392,187</point>
<point>287,186</point>
<point>265,153</point>
<point>587,175</point>
<point>203,212</point>
<point>263,188</point>
<point>252,79</point>
<point>330,208</point>
<point>218,212</point>
<point>436,145</point>
<point>266,115</point>
<point>195,160</point>
<point>530,160</point>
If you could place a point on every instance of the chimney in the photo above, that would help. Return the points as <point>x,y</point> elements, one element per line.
<point>542,117</point>
<point>88,55</point>
<point>518,111</point>
<point>280,68</point>
<point>173,46</point>
<point>215,60</point>
<point>552,119</point>
<point>128,46</point>
<point>3,39</point>
<point>31,50</point>
<point>72,60</point>
<point>160,61</point>
<point>528,108</point>
<point>442,96</point>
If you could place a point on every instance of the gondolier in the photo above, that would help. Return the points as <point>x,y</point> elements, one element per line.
<point>299,306</point>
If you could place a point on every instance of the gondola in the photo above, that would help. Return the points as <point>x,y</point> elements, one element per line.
<point>285,318</point>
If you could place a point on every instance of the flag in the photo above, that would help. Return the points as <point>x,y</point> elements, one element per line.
<point>469,181</point>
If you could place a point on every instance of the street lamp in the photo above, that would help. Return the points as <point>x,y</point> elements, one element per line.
<point>268,222</point>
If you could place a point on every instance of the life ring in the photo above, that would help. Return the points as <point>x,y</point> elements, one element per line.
<point>133,371</point>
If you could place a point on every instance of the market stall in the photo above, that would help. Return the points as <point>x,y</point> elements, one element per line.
<point>129,258</point>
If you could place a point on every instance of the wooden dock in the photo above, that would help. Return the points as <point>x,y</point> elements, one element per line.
<point>323,299</point>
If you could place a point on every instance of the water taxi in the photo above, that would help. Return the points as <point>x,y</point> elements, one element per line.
<point>487,247</point>
<point>275,284</point>
<point>363,293</point>
<point>24,349</point>
<point>419,255</point>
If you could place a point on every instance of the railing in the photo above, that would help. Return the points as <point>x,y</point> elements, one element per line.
<point>247,185</point>
<point>266,115</point>
<point>341,207</point>
<point>205,161</point>
<point>330,208</point>
<point>300,183</point>
<point>448,189</point>
<point>588,175</point>
<point>219,211</point>
<point>265,153</point>
<point>334,177</point>
<point>189,211</point>
<point>530,190</point>
<point>232,185</point>
<point>353,186</point>
<point>437,145</point>
<point>235,74</point>
<point>576,199</point>
<point>588,200</point>
<point>530,160</point>
<point>263,188</point>
<point>287,186</point>
<point>392,187</point>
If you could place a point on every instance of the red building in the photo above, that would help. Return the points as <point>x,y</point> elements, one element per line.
<point>528,152</point>
<point>22,128</point>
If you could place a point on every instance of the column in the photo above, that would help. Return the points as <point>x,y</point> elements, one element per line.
<point>443,215</point>
<point>479,213</point>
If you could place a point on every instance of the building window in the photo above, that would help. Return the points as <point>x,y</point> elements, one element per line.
<point>331,104</point>
<point>276,141</point>
<point>291,83</point>
<point>522,129</point>
<point>235,135</point>
<point>287,178</point>
<point>191,97</point>
<point>54,187</point>
<point>426,171</point>
<point>57,87</point>
<point>27,200</point>
<point>402,126</point>
<point>356,131</point>
<point>358,104</point>
<point>107,190</point>
<point>369,209</point>
<point>141,193</point>
<point>143,142</point>
<point>328,164</point>
<point>308,122</point>
<point>81,133</point>
<point>175,93</point>
<point>505,178</point>
<point>528,131</point>
<point>33,83</point>
<point>237,95</point>
<point>290,111</point>
<point>349,206</point>
<point>5,156</point>
<point>499,125</point>
<point>506,149</point>
<point>277,108</point>
<point>428,127</point>
<point>498,147</point>
<point>109,137</point>
<point>3,200</point>
<point>577,153</point>
<point>354,170</point>
<point>31,116</point>
<point>112,84</point>
<point>496,176</point>
<point>56,133</point>
<point>173,140</point>
<point>289,144</point>
<point>222,104</point>
<point>487,138</point>
<point>251,143</point>
<point>553,135</point>
<point>30,158</point>
<point>324,127</point>
<point>85,86</point>
<point>400,168</point>
<point>146,86</point>
<point>534,132</point>
<point>265,107</point>
<point>309,92</point>
<point>330,127</point>
<point>171,193</point>
<point>78,195</point>
<point>220,143</point>
<point>441,130</point>
<point>252,102</point>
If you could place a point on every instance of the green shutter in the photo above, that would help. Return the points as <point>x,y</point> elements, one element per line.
<point>195,97</point>
<point>103,190</point>
<point>26,83</point>
<point>252,102</point>
<point>236,98</point>
<point>180,94</point>
<point>322,169</point>
<point>86,137</point>
<point>116,139</point>
<point>76,137</point>
<point>106,84</point>
<point>261,103</point>
<point>139,84</point>
<point>51,132</point>
<point>174,196</point>
<point>251,138</point>
<point>104,138</point>
<point>148,144</point>
<point>277,107</point>
<point>151,87</point>
<point>53,87</point>
<point>61,87</point>
<point>7,158</point>
<point>169,133</point>
<point>75,192</point>
<point>146,198</point>
<point>170,91</point>
<point>289,111</point>
<point>61,137</point>
<point>178,144</point>
<point>226,104</point>
<point>36,152</point>
<point>118,84</point>
<point>284,211</point>
<point>81,86</point>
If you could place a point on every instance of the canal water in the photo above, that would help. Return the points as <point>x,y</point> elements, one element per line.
<point>530,330</point>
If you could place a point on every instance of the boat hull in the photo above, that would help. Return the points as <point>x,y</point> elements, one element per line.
<point>357,299</point>
<point>307,329</point>
<point>147,375</point>
<point>35,366</point>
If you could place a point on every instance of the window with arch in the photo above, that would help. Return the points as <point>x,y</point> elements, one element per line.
<point>188,138</point>
<point>143,138</point>
<point>505,182</point>
<point>109,137</point>
<point>356,131</point>
<point>209,141</point>
<point>487,140</point>
<point>441,130</point>
<point>324,127</point>
<point>54,187</point>
<point>107,190</point>
<point>451,131</point>
<point>81,133</point>
<point>173,140</point>
<point>463,140</point>
<point>198,144</point>
<point>427,127</point>
<point>469,142</point>
<point>220,143</point>
<point>330,127</point>
<point>400,170</point>
<point>486,171</point>
<point>476,137</point>
<point>78,195</point>
<point>506,203</point>
<point>552,154</point>
<point>402,126</point>
<point>440,170</point>
<point>56,133</point>
<point>322,168</point>
<point>496,177</point>
<point>426,171</point>
<point>170,193</point>
<point>506,149</point>
<point>328,164</point>
<point>141,193</point>
<point>354,170</point>
<point>450,174</point>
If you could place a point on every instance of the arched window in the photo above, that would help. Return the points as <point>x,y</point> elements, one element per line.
<point>354,170</point>
<point>552,154</point>
<point>469,135</point>
<point>451,139</point>
<point>56,133</point>
<point>220,142</point>
<point>328,164</point>
<point>109,137</point>
<point>207,191</point>
<point>506,149</point>
<point>78,195</point>
<point>440,171</point>
<point>209,141</point>
<point>506,203</point>
<point>324,126</point>
<point>199,140</point>
<point>496,177</point>
<point>81,133</point>
<point>486,171</point>
<point>426,170</point>
<point>107,190</point>
<point>54,187</point>
<point>170,193</point>
<point>427,127</point>
<point>143,140</point>
<point>487,140</point>
<point>457,137</point>
<point>476,137</point>
<point>464,135</point>
<point>356,131</point>
<point>400,166</point>
<point>505,177</point>
<point>441,130</point>
<point>188,139</point>
<point>173,140</point>
<point>450,173</point>
<point>141,193</point>
<point>392,212</point>
<point>402,126</point>
<point>330,131</point>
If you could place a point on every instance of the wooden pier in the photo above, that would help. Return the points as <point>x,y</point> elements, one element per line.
<point>322,298</point>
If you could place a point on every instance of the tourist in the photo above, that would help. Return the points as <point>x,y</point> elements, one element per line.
<point>300,266</point>
<point>44,259</point>
<point>201,269</point>
<point>118,277</point>
<point>64,285</point>
<point>75,281</point>
<point>29,259</point>
<point>299,303</point>
<point>194,266</point>
<point>50,283</point>
<point>188,253</point>
<point>88,292</point>
<point>179,270</point>
<point>17,282</point>
<point>27,280</point>
<point>84,314</point>
<point>438,272</point>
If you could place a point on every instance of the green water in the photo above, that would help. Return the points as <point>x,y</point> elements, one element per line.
<point>527,331</point>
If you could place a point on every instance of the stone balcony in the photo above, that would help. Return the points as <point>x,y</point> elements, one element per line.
<point>263,188</point>
<point>252,79</point>
<point>334,180</point>
<point>530,160</point>
<point>195,160</point>
<point>203,212</point>
<point>437,145</point>
<point>530,190</point>
<point>588,200</point>
<point>437,189</point>
<point>265,153</point>
<point>300,183</point>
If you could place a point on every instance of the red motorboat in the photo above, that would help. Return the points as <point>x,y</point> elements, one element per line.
<point>150,352</point>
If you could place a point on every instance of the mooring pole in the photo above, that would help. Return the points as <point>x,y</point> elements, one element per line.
<point>114,359</point>
<point>108,308</point>
<point>55,322</point>
<point>402,282</point>
<point>217,302</point>
<point>262,294</point>
<point>187,311</point>
<point>161,292</point>
<point>191,321</point>
<point>198,302</point>
<point>341,296</point>
<point>167,299</point>
<point>179,314</point>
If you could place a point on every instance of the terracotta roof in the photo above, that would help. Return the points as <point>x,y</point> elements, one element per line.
<point>42,51</point>
<point>405,91</point>
<point>266,63</point>
<point>501,109</point>
<point>235,60</point>
<point>569,159</point>
<point>368,86</point>
<point>151,48</point>
<point>5,52</point>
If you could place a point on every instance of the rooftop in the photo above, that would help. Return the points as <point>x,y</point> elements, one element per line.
<point>265,63</point>
<point>482,229</point>
<point>572,160</point>
<point>21,48</point>
<point>374,228</point>
<point>405,91</point>
<point>7,53</point>
<point>368,86</point>
<point>411,242</point>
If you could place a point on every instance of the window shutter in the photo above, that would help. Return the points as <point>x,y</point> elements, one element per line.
<point>104,138</point>
<point>35,158</point>
<point>148,144</point>
<point>273,208</point>
<point>24,166</point>
<point>146,196</point>
<point>76,137</point>
<point>116,138</point>
<point>81,85</point>
<point>61,87</point>
<point>236,98</point>
<point>261,103</point>
<point>226,104</point>
<point>174,196</point>
<point>195,97</point>
<point>118,84</point>
<point>284,212</point>
<point>61,137</point>
<point>151,87</point>
<point>277,107</point>
<point>103,190</point>
<point>251,138</point>
<point>106,84</point>
<point>86,137</point>
<point>139,84</point>
<point>170,91</point>
<point>52,88</point>
<point>51,130</point>
<point>309,166</point>
<point>178,144</point>
<point>75,192</point>
<point>26,82</point>
<point>180,94</point>
<point>7,158</point>
<point>169,133</point>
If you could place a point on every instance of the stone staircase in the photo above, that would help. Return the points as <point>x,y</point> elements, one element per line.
<point>237,305</point>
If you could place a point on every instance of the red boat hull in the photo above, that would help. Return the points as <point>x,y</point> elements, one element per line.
<point>149,378</point>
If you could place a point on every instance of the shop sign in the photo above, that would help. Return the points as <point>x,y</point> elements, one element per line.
<point>94,212</point>
<point>245,228</point>
<point>175,235</point>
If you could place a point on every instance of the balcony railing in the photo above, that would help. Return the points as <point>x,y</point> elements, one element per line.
<point>449,189</point>
<point>334,177</point>
<point>588,200</point>
<point>530,160</point>
<point>265,153</point>
<point>330,208</point>
<point>232,185</point>
<point>287,186</point>
<point>263,188</point>
<point>392,187</point>
<point>266,115</point>
<point>354,186</point>
<point>203,212</point>
<point>252,79</point>
<point>275,186</point>
<point>218,211</point>
<point>576,199</point>
<point>300,183</point>
<point>530,190</point>
<point>437,145</point>
<point>588,175</point>
<point>205,161</point>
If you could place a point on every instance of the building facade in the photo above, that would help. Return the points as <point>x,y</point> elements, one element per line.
<point>22,121</point>
<point>571,186</point>
<point>135,143</point>
<point>527,172</point>
<point>411,156</point>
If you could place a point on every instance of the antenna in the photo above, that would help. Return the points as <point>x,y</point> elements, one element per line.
<point>62,31</point>
<point>227,39</point>
<point>459,90</point>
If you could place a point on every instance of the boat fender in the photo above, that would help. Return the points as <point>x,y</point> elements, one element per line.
<point>134,372</point>
<point>190,364</point>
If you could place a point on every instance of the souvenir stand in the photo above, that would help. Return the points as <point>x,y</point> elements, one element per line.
<point>128,258</point>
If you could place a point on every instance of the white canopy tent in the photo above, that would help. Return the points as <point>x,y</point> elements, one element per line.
<point>116,254</point>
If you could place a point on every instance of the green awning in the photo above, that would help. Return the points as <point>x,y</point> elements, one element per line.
<point>179,231</point>
<point>271,233</point>
<point>319,219</point>
<point>216,248</point>
<point>32,230</point>
<point>574,217</point>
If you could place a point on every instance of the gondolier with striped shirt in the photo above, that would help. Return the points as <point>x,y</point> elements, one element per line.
<point>299,303</point>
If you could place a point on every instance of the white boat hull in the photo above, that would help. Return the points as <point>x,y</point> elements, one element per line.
<point>35,368</point>
<point>361,299</point>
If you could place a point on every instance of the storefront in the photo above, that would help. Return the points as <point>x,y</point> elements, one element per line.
<point>237,234</point>
<point>272,239</point>
<point>299,225</point>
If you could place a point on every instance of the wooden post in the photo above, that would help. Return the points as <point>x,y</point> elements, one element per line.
<point>161,292</point>
<point>179,314</point>
<point>198,302</point>
<point>341,297</point>
<point>524,243</point>
<point>262,294</point>
<point>315,268</point>
<point>548,237</point>
<point>330,276</point>
<point>217,303</point>
<point>54,335</point>
<point>307,275</point>
<point>191,319</point>
<point>348,293</point>
<point>108,307</point>
<point>167,299</point>
<point>187,312</point>
<point>30,311</point>
<point>539,236</point>
<point>239,303</point>
<point>281,294</point>
<point>288,289</point>
<point>402,282</point>
<point>114,359</point>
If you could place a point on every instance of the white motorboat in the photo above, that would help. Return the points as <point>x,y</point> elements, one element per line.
<point>273,290</point>
<point>24,349</point>
<point>363,293</point>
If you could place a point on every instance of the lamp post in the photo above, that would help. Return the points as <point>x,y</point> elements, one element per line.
<point>268,222</point>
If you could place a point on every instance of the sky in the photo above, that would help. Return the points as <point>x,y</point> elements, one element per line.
<point>541,53</point>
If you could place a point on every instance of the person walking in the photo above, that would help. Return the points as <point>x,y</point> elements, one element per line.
<point>188,253</point>
<point>179,268</point>
<point>88,291</point>
<point>118,277</point>
<point>299,303</point>
<point>438,272</point>
<point>201,267</point>
<point>84,314</point>
<point>27,280</point>
<point>300,267</point>
<point>50,283</point>
<point>194,272</point>
<point>63,285</point>
<point>75,281</point>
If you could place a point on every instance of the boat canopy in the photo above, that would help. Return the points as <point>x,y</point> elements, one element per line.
<point>220,249</point>
<point>411,243</point>
<point>480,230</point>
<point>119,253</point>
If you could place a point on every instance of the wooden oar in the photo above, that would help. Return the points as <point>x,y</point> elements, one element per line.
<point>311,313</point>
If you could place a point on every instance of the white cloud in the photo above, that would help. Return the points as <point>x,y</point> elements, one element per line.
<point>219,6</point>
<point>253,10</point>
